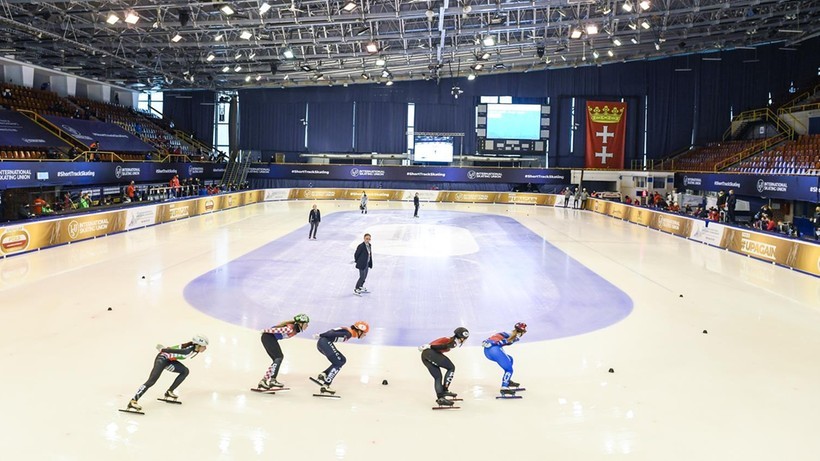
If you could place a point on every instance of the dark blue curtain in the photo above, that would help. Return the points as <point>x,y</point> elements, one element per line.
<point>678,104</point>
<point>330,127</point>
<point>191,112</point>
<point>381,127</point>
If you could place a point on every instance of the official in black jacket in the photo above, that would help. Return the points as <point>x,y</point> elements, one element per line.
<point>314,218</point>
<point>364,262</point>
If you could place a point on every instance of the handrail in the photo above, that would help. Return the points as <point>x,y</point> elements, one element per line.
<point>113,155</point>
<point>44,123</point>
<point>760,114</point>
<point>750,151</point>
<point>190,139</point>
<point>789,106</point>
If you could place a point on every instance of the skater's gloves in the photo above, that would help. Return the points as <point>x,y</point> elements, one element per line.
<point>159,347</point>
<point>315,335</point>
<point>424,347</point>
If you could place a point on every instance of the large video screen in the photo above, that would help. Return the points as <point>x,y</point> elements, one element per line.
<point>514,121</point>
<point>435,149</point>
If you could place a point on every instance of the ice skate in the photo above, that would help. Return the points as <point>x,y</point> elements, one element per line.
<point>507,391</point>
<point>264,385</point>
<point>169,394</point>
<point>133,405</point>
<point>357,292</point>
<point>442,402</point>
<point>449,394</point>
<point>320,380</point>
<point>363,290</point>
<point>514,384</point>
<point>274,383</point>
<point>326,389</point>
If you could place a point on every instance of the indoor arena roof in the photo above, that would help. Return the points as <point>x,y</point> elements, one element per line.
<point>146,44</point>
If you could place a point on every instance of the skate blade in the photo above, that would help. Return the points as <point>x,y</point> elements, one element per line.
<point>316,381</point>
<point>328,396</point>
<point>454,399</point>
<point>131,411</point>
<point>442,407</point>
<point>263,391</point>
<point>170,401</point>
<point>508,397</point>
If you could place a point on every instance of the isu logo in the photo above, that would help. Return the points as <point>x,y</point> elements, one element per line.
<point>14,240</point>
<point>354,172</point>
<point>471,174</point>
<point>73,229</point>
<point>118,172</point>
<point>761,185</point>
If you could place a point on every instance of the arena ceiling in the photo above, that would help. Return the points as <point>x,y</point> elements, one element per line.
<point>233,44</point>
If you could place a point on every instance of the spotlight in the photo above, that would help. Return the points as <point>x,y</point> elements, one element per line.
<point>132,18</point>
<point>595,54</point>
<point>632,25</point>
<point>365,76</point>
<point>489,40</point>
<point>576,33</point>
<point>592,29</point>
<point>634,40</point>
<point>218,38</point>
<point>657,46</point>
<point>288,53</point>
<point>258,77</point>
<point>248,78</point>
<point>389,83</point>
<point>471,76</point>
<point>264,8</point>
<point>306,68</point>
<point>184,17</point>
<point>225,69</point>
<point>349,6</point>
<point>176,38</point>
<point>112,19</point>
<point>380,61</point>
<point>210,57</point>
<point>616,41</point>
<point>385,73</point>
<point>227,10</point>
<point>627,6</point>
<point>645,5</point>
<point>610,53</point>
<point>645,24</point>
<point>245,35</point>
<point>478,66</point>
<point>252,55</point>
<point>484,56</point>
<point>237,68</point>
<point>372,47</point>
<point>539,52</point>
<point>362,31</point>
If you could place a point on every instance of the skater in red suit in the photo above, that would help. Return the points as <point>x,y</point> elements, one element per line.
<point>432,356</point>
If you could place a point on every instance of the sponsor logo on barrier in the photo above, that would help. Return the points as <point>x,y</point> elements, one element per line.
<point>319,193</point>
<point>761,249</point>
<point>209,205</point>
<point>669,224</point>
<point>14,240</point>
<point>687,181</point>
<point>230,200</point>
<point>471,174</point>
<point>14,175</point>
<point>178,212</point>
<point>34,140</point>
<point>771,186</point>
<point>78,229</point>
<point>119,172</point>
<point>192,170</point>
<point>467,197</point>
<point>513,198</point>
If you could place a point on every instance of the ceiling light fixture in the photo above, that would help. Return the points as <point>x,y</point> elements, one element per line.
<point>252,55</point>
<point>349,6</point>
<point>484,56</point>
<point>365,76</point>
<point>176,38</point>
<point>592,29</point>
<point>361,31</point>
<point>634,40</point>
<point>248,78</point>
<point>112,19</point>
<point>306,67</point>
<point>218,38</point>
<point>264,7</point>
<point>245,35</point>
<point>237,68</point>
<point>595,54</point>
<point>372,47</point>
<point>288,53</point>
<point>576,33</point>
<point>227,10</point>
<point>645,24</point>
<point>610,53</point>
<point>471,76</point>
<point>488,40</point>
<point>380,61</point>
<point>478,66</point>
<point>616,41</point>
<point>258,77</point>
<point>389,83</point>
<point>132,18</point>
<point>657,46</point>
<point>210,57</point>
<point>632,25</point>
<point>627,6</point>
<point>225,69</point>
<point>645,5</point>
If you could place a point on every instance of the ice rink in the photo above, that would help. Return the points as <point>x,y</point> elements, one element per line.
<point>714,355</point>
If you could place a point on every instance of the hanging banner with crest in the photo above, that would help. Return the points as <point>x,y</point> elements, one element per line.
<point>606,134</point>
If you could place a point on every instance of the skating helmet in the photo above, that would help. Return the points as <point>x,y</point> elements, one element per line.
<point>461,333</point>
<point>200,340</point>
<point>521,326</point>
<point>301,318</point>
<point>362,326</point>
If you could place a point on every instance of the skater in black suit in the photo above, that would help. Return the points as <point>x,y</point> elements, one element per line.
<point>314,218</point>
<point>364,262</point>
<point>416,205</point>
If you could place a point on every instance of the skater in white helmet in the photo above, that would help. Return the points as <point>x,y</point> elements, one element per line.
<point>168,359</point>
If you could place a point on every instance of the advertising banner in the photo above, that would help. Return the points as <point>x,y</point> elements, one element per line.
<point>174,211</point>
<point>143,216</point>
<point>319,194</point>
<point>372,194</point>
<point>469,197</point>
<point>808,258</point>
<point>26,174</point>
<point>276,194</point>
<point>761,246</point>
<point>677,225</point>
<point>619,210</point>
<point>207,205</point>
<point>410,173</point>
<point>599,206</point>
<point>803,188</point>
<point>707,232</point>
<point>20,131</point>
<point>17,239</point>
<point>424,195</point>
<point>88,226</point>
<point>606,134</point>
<point>526,199</point>
<point>111,137</point>
<point>640,216</point>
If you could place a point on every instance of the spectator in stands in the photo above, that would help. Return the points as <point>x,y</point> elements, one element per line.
<point>768,223</point>
<point>129,193</point>
<point>149,156</point>
<point>117,99</point>
<point>85,201</point>
<point>816,223</point>
<point>7,93</point>
<point>674,207</point>
<point>38,205</point>
<point>627,200</point>
<point>68,204</point>
<point>714,214</point>
<point>95,146</point>
<point>731,204</point>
